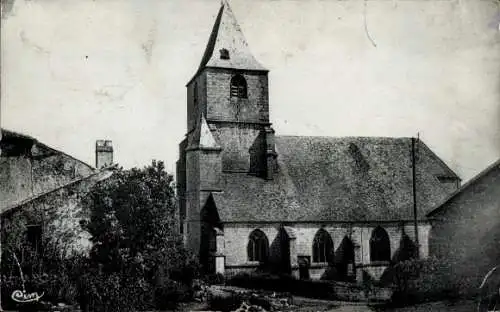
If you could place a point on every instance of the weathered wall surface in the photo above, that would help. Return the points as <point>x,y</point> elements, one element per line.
<point>466,233</point>
<point>59,213</point>
<point>237,141</point>
<point>15,180</point>
<point>38,171</point>
<point>236,239</point>
<point>196,100</point>
<point>221,106</point>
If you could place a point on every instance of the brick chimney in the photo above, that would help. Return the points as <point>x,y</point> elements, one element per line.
<point>103,153</point>
<point>270,154</point>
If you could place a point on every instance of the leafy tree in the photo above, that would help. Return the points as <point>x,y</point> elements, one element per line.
<point>136,245</point>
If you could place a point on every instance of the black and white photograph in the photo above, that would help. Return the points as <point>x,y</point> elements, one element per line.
<point>250,155</point>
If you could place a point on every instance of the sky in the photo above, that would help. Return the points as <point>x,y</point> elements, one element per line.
<point>74,71</point>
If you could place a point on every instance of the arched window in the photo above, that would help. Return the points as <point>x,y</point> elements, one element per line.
<point>258,246</point>
<point>322,247</point>
<point>238,87</point>
<point>380,246</point>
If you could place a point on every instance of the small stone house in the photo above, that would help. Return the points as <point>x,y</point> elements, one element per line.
<point>466,230</point>
<point>297,205</point>
<point>42,188</point>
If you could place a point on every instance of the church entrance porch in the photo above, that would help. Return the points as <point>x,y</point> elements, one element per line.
<point>212,257</point>
<point>208,249</point>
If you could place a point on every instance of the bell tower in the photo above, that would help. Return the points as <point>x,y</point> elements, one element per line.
<point>228,128</point>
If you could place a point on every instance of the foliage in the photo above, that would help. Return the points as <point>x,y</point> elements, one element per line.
<point>40,268</point>
<point>136,245</point>
<point>419,280</point>
<point>137,260</point>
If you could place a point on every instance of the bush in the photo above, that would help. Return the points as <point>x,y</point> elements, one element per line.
<point>420,280</point>
<point>168,296</point>
<point>137,260</point>
<point>225,301</point>
<point>186,272</point>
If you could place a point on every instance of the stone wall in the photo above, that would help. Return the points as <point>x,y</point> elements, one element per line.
<point>59,213</point>
<point>220,105</point>
<point>466,231</point>
<point>236,239</point>
<point>196,89</point>
<point>38,171</point>
<point>15,180</point>
<point>236,142</point>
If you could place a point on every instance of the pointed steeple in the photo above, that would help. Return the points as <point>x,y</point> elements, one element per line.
<point>227,46</point>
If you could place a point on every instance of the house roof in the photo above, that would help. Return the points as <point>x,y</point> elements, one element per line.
<point>227,34</point>
<point>29,142</point>
<point>97,176</point>
<point>475,180</point>
<point>337,179</point>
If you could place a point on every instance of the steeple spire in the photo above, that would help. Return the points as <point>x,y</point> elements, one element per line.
<point>227,46</point>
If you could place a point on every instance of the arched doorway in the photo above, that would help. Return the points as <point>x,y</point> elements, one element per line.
<point>210,221</point>
<point>344,260</point>
<point>208,248</point>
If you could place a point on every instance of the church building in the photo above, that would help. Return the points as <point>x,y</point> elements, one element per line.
<point>251,199</point>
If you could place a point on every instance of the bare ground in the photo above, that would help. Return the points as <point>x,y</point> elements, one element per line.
<point>312,305</point>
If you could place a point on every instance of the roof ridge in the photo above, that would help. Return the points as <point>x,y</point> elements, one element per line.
<point>29,137</point>
<point>34,197</point>
<point>342,137</point>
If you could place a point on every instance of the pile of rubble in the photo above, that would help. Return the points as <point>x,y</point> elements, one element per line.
<point>249,308</point>
<point>250,300</point>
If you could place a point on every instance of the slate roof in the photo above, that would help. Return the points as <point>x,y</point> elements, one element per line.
<point>19,141</point>
<point>226,34</point>
<point>337,179</point>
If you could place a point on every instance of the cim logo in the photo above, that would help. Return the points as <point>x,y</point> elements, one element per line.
<point>23,297</point>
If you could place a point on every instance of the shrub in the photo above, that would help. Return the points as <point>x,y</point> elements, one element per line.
<point>137,260</point>
<point>420,280</point>
<point>169,295</point>
<point>224,301</point>
<point>186,272</point>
